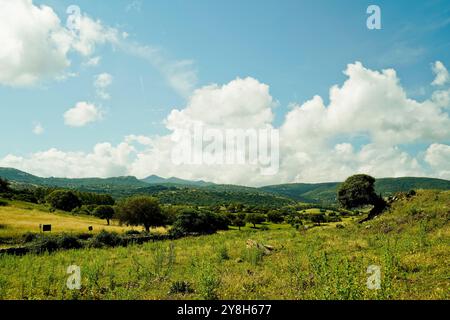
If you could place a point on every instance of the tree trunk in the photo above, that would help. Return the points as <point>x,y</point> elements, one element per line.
<point>107,222</point>
<point>147,229</point>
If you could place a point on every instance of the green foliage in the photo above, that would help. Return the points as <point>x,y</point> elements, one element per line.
<point>199,221</point>
<point>65,200</point>
<point>275,216</point>
<point>357,191</point>
<point>4,185</point>
<point>141,210</point>
<point>105,239</point>
<point>181,287</point>
<point>255,218</point>
<point>104,212</point>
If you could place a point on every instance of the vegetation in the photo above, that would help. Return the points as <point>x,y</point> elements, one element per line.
<point>104,212</point>
<point>409,243</point>
<point>65,200</point>
<point>141,210</point>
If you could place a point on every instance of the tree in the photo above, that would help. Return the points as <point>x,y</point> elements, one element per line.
<point>200,221</point>
<point>4,185</point>
<point>238,222</point>
<point>104,212</point>
<point>254,218</point>
<point>275,216</point>
<point>65,200</point>
<point>142,210</point>
<point>358,190</point>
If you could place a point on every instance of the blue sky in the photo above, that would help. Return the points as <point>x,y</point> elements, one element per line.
<point>298,48</point>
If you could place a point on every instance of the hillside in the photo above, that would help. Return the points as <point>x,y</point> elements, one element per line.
<point>179,191</point>
<point>326,192</point>
<point>409,244</point>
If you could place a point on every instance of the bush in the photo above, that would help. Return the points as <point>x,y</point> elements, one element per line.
<point>132,232</point>
<point>43,244</point>
<point>66,241</point>
<point>182,287</point>
<point>3,203</point>
<point>105,239</point>
<point>29,237</point>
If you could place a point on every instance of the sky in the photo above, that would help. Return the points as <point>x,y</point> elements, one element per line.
<point>105,94</point>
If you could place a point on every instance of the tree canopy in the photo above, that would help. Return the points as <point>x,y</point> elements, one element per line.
<point>142,210</point>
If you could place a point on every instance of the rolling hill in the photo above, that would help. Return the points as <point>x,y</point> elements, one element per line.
<point>179,191</point>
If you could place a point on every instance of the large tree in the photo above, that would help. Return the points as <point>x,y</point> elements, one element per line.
<point>65,200</point>
<point>359,190</point>
<point>104,212</point>
<point>142,210</point>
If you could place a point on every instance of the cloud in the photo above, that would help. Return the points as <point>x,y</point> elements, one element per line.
<point>104,161</point>
<point>93,62</point>
<point>441,73</point>
<point>38,129</point>
<point>82,114</point>
<point>135,5</point>
<point>368,126</point>
<point>438,157</point>
<point>181,75</point>
<point>101,83</point>
<point>35,45</point>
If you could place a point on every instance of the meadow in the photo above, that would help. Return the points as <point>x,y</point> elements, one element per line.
<point>410,243</point>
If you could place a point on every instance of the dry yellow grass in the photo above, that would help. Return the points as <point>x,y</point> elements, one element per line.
<point>15,221</point>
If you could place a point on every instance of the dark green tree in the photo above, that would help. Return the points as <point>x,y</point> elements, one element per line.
<point>275,216</point>
<point>141,210</point>
<point>65,200</point>
<point>104,212</point>
<point>359,190</point>
<point>254,218</point>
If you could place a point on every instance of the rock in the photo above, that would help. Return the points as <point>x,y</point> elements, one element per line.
<point>238,260</point>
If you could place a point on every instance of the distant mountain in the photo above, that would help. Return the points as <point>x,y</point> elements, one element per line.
<point>179,191</point>
<point>153,179</point>
<point>326,192</point>
<point>106,183</point>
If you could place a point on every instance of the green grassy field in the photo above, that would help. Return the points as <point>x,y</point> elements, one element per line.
<point>410,243</point>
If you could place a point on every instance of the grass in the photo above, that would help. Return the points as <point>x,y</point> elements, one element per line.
<point>18,218</point>
<point>321,263</point>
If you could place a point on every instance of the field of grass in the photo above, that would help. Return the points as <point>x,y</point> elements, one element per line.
<point>410,243</point>
<point>20,217</point>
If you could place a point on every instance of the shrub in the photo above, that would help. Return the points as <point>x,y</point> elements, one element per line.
<point>43,244</point>
<point>66,241</point>
<point>131,232</point>
<point>223,253</point>
<point>182,287</point>
<point>29,237</point>
<point>105,239</point>
<point>3,203</point>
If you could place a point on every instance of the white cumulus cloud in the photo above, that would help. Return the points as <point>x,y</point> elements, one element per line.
<point>82,114</point>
